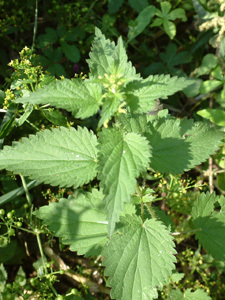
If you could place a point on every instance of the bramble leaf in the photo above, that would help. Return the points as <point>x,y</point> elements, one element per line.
<point>78,221</point>
<point>140,95</point>
<point>64,157</point>
<point>139,259</point>
<point>121,159</point>
<point>80,97</point>
<point>210,224</point>
<point>178,146</point>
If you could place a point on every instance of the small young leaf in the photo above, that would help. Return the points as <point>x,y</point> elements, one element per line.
<point>139,259</point>
<point>55,117</point>
<point>64,157</point>
<point>109,107</point>
<point>121,158</point>
<point>79,221</point>
<point>209,224</point>
<point>107,58</point>
<point>80,97</point>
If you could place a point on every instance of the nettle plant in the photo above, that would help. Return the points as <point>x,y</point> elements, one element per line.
<point>116,218</point>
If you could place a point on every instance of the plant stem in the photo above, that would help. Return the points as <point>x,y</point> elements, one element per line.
<point>151,210</point>
<point>26,190</point>
<point>35,25</point>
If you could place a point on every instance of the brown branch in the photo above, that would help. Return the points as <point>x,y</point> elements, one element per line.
<point>93,287</point>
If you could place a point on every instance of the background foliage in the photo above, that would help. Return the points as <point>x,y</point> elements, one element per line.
<point>43,39</point>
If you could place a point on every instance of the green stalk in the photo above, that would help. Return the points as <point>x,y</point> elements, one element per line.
<point>26,190</point>
<point>35,25</point>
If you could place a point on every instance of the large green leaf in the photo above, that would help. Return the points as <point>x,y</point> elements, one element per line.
<point>64,157</point>
<point>79,221</point>
<point>140,94</point>
<point>108,58</point>
<point>81,97</point>
<point>178,146</point>
<point>139,259</point>
<point>121,159</point>
<point>210,224</point>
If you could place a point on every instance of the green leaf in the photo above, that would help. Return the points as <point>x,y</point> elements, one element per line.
<point>139,259</point>
<point>209,62</point>
<point>210,224</point>
<point>179,145</point>
<point>165,8</point>
<point>79,221</point>
<point>107,58</point>
<point>216,116</point>
<point>3,278</point>
<point>27,111</point>
<point>178,13</point>
<point>141,22</point>
<point>121,159</point>
<point>55,117</point>
<point>134,123</point>
<point>170,28</point>
<point>80,97</point>
<point>109,107</point>
<point>209,85</point>
<point>188,295</point>
<point>64,157</point>
<point>71,52</point>
<point>220,179</point>
<point>196,295</point>
<point>138,5</point>
<point>114,5</point>
<point>56,69</point>
<point>140,94</point>
<point>15,193</point>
